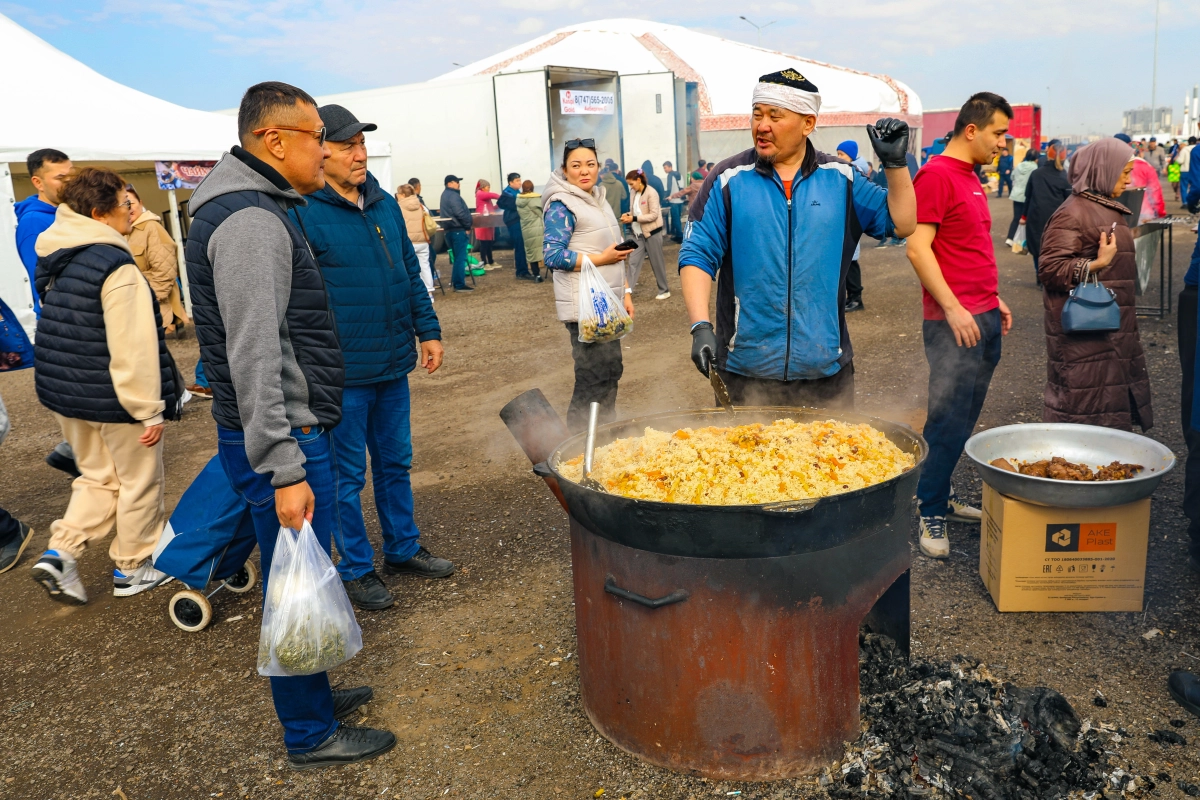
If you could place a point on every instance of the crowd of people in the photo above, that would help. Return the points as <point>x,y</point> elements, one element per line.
<point>309,321</point>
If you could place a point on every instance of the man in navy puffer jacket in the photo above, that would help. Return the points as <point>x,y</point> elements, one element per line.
<point>381,309</point>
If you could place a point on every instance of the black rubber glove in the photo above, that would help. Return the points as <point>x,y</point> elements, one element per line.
<point>889,140</point>
<point>704,347</point>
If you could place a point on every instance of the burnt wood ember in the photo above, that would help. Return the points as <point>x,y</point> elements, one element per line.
<point>1166,737</point>
<point>955,730</point>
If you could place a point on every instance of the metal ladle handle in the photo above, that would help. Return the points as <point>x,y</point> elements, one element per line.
<point>589,447</point>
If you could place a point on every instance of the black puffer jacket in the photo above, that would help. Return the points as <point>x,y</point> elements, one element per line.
<point>1046,190</point>
<point>1092,378</point>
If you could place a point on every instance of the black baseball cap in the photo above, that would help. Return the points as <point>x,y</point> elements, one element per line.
<point>341,125</point>
<point>452,179</point>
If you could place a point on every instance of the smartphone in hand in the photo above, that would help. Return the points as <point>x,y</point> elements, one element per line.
<point>628,244</point>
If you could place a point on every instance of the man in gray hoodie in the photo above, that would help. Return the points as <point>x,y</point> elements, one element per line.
<point>272,357</point>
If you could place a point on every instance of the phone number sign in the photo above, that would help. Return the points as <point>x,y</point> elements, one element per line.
<point>575,102</point>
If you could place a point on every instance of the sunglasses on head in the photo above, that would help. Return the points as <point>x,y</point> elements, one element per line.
<point>575,144</point>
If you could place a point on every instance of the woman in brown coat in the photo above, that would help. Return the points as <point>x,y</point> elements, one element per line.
<point>1094,378</point>
<point>154,251</point>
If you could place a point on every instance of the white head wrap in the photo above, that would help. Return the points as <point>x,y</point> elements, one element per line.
<point>798,100</point>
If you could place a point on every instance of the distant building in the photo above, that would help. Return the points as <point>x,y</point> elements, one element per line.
<point>1146,121</point>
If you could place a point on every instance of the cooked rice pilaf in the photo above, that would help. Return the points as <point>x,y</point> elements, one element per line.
<point>747,464</point>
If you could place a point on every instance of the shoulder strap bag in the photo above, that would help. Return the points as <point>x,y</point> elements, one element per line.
<point>1091,308</point>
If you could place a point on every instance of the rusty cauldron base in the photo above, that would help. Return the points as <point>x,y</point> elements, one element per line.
<point>741,669</point>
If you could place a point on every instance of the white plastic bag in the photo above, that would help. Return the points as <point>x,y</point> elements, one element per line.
<point>308,623</point>
<point>602,316</point>
<point>1018,240</point>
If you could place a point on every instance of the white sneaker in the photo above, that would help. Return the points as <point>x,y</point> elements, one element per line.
<point>934,542</point>
<point>1008,242</point>
<point>59,573</point>
<point>662,295</point>
<point>961,512</point>
<point>142,579</point>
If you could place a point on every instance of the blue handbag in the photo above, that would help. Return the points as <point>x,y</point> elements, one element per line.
<point>1091,308</point>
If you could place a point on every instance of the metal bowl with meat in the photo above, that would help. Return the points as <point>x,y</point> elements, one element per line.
<point>1068,450</point>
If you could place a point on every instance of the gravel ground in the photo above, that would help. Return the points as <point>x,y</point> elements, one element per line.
<point>476,673</point>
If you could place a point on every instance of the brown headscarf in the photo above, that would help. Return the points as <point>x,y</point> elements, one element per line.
<point>1096,167</point>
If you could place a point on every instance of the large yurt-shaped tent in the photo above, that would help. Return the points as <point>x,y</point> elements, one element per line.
<point>95,120</point>
<point>658,92</point>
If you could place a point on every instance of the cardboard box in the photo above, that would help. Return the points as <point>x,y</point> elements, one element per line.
<point>1038,558</point>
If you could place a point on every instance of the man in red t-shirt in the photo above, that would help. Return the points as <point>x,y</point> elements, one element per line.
<point>955,259</point>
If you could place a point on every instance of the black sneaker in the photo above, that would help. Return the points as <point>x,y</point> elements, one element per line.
<point>854,305</point>
<point>1185,688</point>
<point>10,553</point>
<point>526,277</point>
<point>368,592</point>
<point>347,701</point>
<point>424,563</point>
<point>538,279</point>
<point>464,288</point>
<point>348,744</point>
<point>61,462</point>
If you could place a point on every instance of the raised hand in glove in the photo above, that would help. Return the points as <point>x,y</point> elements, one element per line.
<point>704,347</point>
<point>889,140</point>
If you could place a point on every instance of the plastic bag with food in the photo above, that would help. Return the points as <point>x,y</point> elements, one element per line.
<point>308,624</point>
<point>602,316</point>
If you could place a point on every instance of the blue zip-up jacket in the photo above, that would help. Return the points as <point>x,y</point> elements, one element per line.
<point>373,281</point>
<point>508,204</point>
<point>33,217</point>
<point>781,264</point>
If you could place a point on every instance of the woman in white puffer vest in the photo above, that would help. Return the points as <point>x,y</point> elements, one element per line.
<point>579,222</point>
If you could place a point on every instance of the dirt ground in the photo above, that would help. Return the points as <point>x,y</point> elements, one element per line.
<point>112,696</point>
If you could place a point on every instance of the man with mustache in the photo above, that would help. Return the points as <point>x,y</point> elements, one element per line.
<point>776,227</point>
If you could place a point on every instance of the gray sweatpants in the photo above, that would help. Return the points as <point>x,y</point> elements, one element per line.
<point>654,246</point>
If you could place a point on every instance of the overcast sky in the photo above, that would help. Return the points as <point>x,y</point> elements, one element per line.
<point>1086,61</point>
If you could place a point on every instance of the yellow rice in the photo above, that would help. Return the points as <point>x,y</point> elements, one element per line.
<point>747,464</point>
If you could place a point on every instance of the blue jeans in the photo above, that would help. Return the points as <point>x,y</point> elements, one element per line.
<point>304,703</point>
<point>958,384</point>
<point>456,244</point>
<point>375,420</point>
<point>518,243</point>
<point>676,226</point>
<point>201,378</point>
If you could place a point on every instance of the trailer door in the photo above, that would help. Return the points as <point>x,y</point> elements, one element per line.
<point>523,125</point>
<point>648,120</point>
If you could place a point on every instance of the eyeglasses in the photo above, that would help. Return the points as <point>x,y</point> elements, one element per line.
<point>126,204</point>
<point>318,135</point>
<point>574,144</point>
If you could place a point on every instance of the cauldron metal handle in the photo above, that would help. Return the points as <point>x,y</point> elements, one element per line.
<point>542,470</point>
<point>677,596</point>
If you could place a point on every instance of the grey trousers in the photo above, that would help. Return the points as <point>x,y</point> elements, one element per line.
<point>654,246</point>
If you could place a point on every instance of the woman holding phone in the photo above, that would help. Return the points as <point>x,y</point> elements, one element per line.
<point>580,225</point>
<point>645,218</point>
<point>1094,378</point>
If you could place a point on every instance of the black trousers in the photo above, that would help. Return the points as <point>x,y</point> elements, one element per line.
<point>854,282</point>
<point>1187,362</point>
<point>836,391</point>
<point>598,368</point>
<point>484,246</point>
<point>1018,212</point>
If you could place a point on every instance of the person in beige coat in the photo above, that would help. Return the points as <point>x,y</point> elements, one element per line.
<point>104,371</point>
<point>645,218</point>
<point>415,217</point>
<point>155,254</point>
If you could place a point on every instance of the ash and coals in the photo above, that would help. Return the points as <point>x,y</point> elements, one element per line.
<point>954,730</point>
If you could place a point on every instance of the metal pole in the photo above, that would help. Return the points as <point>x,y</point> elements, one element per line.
<point>177,234</point>
<point>1154,80</point>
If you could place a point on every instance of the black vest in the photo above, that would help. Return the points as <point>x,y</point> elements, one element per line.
<point>309,320</point>
<point>71,347</point>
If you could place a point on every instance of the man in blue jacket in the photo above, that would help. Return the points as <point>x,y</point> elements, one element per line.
<point>382,309</point>
<point>48,169</point>
<point>512,221</point>
<point>458,231</point>
<point>776,227</point>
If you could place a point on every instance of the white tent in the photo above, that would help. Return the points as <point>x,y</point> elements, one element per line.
<point>73,108</point>
<point>724,71</point>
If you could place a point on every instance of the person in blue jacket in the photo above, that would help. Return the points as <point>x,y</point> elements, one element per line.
<point>48,169</point>
<point>382,310</point>
<point>1184,686</point>
<point>512,221</point>
<point>776,227</point>
<point>1004,168</point>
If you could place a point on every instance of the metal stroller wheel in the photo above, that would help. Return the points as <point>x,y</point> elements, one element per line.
<point>190,611</point>
<point>243,580</point>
